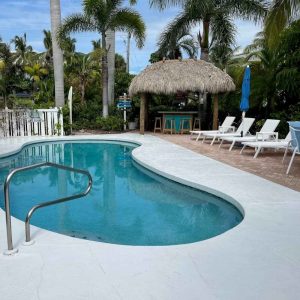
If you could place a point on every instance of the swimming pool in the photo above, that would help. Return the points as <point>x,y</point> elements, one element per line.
<point>127,205</point>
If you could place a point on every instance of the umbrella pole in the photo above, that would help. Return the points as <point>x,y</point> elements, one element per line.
<point>243,118</point>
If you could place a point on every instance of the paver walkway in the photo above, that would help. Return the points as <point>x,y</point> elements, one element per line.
<point>268,164</point>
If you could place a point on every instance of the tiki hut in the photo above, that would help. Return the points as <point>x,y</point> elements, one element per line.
<point>169,77</point>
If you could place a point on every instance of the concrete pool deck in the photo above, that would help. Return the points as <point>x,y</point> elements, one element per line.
<point>258,259</point>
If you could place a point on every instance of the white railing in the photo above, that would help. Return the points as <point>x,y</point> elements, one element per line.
<point>24,122</point>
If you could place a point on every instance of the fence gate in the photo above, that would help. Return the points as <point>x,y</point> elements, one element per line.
<point>24,122</point>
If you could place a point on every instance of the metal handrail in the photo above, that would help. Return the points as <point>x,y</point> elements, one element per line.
<point>33,209</point>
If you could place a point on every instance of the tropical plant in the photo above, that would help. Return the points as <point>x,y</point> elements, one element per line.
<point>281,13</point>
<point>44,96</point>
<point>264,65</point>
<point>222,56</point>
<point>7,71</point>
<point>48,54</point>
<point>216,18</point>
<point>23,51</point>
<point>55,13</point>
<point>36,73</point>
<point>101,16</point>
<point>122,78</point>
<point>110,42</point>
<point>172,45</point>
<point>112,123</point>
<point>275,70</point>
<point>289,54</point>
<point>83,71</point>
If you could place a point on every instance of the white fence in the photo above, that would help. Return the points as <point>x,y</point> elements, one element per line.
<point>24,122</point>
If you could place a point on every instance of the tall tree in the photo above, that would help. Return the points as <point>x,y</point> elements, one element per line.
<point>83,71</point>
<point>101,16</point>
<point>280,15</point>
<point>36,73</point>
<point>58,61</point>
<point>215,17</point>
<point>48,46</point>
<point>6,70</point>
<point>23,51</point>
<point>111,45</point>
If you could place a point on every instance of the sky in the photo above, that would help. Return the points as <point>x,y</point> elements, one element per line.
<point>32,16</point>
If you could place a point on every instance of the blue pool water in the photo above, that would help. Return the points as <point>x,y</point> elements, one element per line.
<point>127,205</point>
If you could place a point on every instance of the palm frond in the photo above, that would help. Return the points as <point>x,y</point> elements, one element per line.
<point>223,30</point>
<point>281,13</point>
<point>97,8</point>
<point>175,30</point>
<point>127,19</point>
<point>75,23</point>
<point>189,45</point>
<point>258,43</point>
<point>255,10</point>
<point>289,79</point>
<point>162,4</point>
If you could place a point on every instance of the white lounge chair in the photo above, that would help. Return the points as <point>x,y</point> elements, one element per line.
<point>244,127</point>
<point>225,127</point>
<point>279,144</point>
<point>266,133</point>
<point>295,145</point>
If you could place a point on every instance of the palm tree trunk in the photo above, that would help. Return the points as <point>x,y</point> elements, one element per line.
<point>110,42</point>
<point>104,78</point>
<point>58,62</point>
<point>82,89</point>
<point>205,41</point>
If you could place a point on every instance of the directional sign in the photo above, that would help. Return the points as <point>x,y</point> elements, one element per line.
<point>124,104</point>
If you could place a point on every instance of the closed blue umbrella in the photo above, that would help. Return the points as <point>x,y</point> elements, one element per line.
<point>244,105</point>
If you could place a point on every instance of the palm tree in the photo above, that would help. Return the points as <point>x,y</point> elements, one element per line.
<point>275,69</point>
<point>58,61</point>
<point>111,41</point>
<point>222,56</point>
<point>173,46</point>
<point>6,70</point>
<point>280,15</point>
<point>23,51</point>
<point>111,46</point>
<point>36,73</point>
<point>216,18</point>
<point>101,16</point>
<point>84,70</point>
<point>48,46</point>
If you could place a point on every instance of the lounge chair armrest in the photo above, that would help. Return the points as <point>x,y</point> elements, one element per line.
<point>267,135</point>
<point>224,129</point>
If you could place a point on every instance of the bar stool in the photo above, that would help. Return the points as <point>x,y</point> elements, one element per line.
<point>197,124</point>
<point>185,125</point>
<point>157,122</point>
<point>169,125</point>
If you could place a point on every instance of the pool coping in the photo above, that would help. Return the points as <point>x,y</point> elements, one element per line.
<point>263,246</point>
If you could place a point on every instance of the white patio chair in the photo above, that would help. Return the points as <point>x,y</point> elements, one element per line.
<point>244,127</point>
<point>266,133</point>
<point>260,145</point>
<point>225,127</point>
<point>295,144</point>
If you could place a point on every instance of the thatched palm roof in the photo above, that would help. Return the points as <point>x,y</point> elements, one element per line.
<point>171,76</point>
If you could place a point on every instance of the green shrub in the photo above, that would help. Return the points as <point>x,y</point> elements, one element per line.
<point>111,123</point>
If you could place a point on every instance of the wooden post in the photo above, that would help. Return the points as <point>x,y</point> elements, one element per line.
<point>216,112</point>
<point>142,113</point>
<point>146,112</point>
